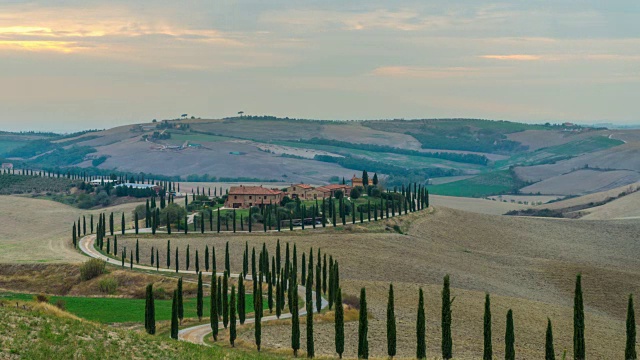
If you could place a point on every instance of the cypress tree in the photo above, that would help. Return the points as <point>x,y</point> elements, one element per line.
<point>318,289</point>
<point>304,271</point>
<point>168,254</point>
<point>488,348</point>
<point>187,257</point>
<point>391,324</point>
<point>245,259</point>
<point>241,298</point>
<point>578,322</point>
<point>630,350</point>
<point>111,224</point>
<point>232,316</point>
<point>309,304</point>
<point>122,224</point>
<point>135,220</point>
<point>254,275</point>
<point>324,274</point>
<point>138,252</point>
<point>157,260</point>
<point>74,236</point>
<point>278,298</point>
<point>339,324</point>
<point>213,307</point>
<point>174,315</point>
<point>270,295</point>
<point>363,327</point>
<point>550,353</point>
<point>202,223</point>
<point>509,338</point>
<point>150,312</point>
<point>227,262</point>
<point>225,300</point>
<point>197,262</point>
<point>108,246</point>
<point>258,315</point>
<point>214,266</point>
<point>219,296</point>
<point>177,261</point>
<point>180,302</point>
<point>206,258</point>
<point>421,350</point>
<point>295,324</point>
<point>199,299</point>
<point>131,260</point>
<point>115,245</point>
<point>446,320</point>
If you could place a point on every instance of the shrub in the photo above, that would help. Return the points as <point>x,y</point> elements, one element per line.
<point>108,285</point>
<point>60,304</point>
<point>352,301</point>
<point>92,269</point>
<point>42,298</point>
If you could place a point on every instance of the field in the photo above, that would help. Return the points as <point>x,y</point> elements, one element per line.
<point>119,310</point>
<point>497,182</point>
<point>43,332</point>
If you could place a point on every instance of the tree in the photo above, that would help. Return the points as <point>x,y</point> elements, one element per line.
<point>187,257</point>
<point>180,302</point>
<point>447,342</point>
<point>206,258</point>
<point>488,348</point>
<point>318,288</point>
<point>74,236</point>
<point>199,297</point>
<point>227,262</point>
<point>214,308</point>
<point>295,323</point>
<point>241,298</point>
<point>356,192</point>
<point>197,262</point>
<point>258,315</point>
<point>578,322</point>
<point>309,304</point>
<point>174,315</point>
<point>137,252</point>
<point>630,350</point>
<point>225,300</point>
<point>363,327</point>
<point>550,353</point>
<point>150,312</point>
<point>122,224</point>
<point>232,316</point>
<point>509,339</point>
<point>339,323</point>
<point>136,222</point>
<point>421,350</point>
<point>365,178</point>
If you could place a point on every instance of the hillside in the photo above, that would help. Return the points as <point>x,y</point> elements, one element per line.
<point>544,157</point>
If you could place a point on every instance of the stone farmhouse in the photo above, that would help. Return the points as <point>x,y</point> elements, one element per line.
<point>300,191</point>
<point>244,197</point>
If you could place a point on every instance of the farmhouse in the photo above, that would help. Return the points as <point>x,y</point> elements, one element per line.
<point>356,181</point>
<point>98,182</point>
<point>7,166</point>
<point>243,197</point>
<point>329,190</point>
<point>141,186</point>
<point>300,191</point>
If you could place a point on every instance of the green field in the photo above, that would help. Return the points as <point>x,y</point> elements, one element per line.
<point>120,310</point>
<point>492,183</point>
<point>8,145</point>
<point>582,146</point>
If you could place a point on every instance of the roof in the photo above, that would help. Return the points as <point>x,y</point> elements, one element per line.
<point>138,186</point>
<point>332,187</point>
<point>252,190</point>
<point>304,186</point>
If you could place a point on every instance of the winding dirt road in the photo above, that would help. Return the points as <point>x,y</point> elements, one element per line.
<point>194,334</point>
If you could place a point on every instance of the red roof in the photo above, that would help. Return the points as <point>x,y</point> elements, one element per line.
<point>304,186</point>
<point>252,190</point>
<point>332,187</point>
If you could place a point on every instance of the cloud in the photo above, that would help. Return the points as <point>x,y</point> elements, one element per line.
<point>513,57</point>
<point>425,72</point>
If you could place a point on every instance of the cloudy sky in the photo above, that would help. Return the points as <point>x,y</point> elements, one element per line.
<point>76,64</point>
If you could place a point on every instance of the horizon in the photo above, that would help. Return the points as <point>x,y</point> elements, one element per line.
<point>107,64</point>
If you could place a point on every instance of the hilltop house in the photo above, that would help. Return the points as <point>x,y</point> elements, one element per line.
<point>329,190</point>
<point>356,181</point>
<point>300,191</point>
<point>7,166</point>
<point>244,197</point>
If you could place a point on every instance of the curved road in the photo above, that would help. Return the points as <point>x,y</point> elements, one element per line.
<point>194,334</point>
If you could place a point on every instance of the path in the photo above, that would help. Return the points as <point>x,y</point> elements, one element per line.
<point>195,334</point>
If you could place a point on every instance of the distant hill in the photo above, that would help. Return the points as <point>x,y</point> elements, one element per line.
<point>500,156</point>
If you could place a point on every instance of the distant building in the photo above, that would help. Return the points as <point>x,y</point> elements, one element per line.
<point>7,166</point>
<point>141,186</point>
<point>356,181</point>
<point>330,190</point>
<point>300,191</point>
<point>98,182</point>
<point>244,197</point>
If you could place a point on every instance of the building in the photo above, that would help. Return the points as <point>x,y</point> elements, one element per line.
<point>356,181</point>
<point>244,197</point>
<point>329,191</point>
<point>141,186</point>
<point>7,166</point>
<point>300,191</point>
<point>98,182</point>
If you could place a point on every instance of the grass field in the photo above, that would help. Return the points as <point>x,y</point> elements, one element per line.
<point>115,310</point>
<point>179,139</point>
<point>491,183</point>
<point>43,332</point>
<point>582,146</point>
<point>8,145</point>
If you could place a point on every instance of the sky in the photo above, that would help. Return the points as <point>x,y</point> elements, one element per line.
<point>68,65</point>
